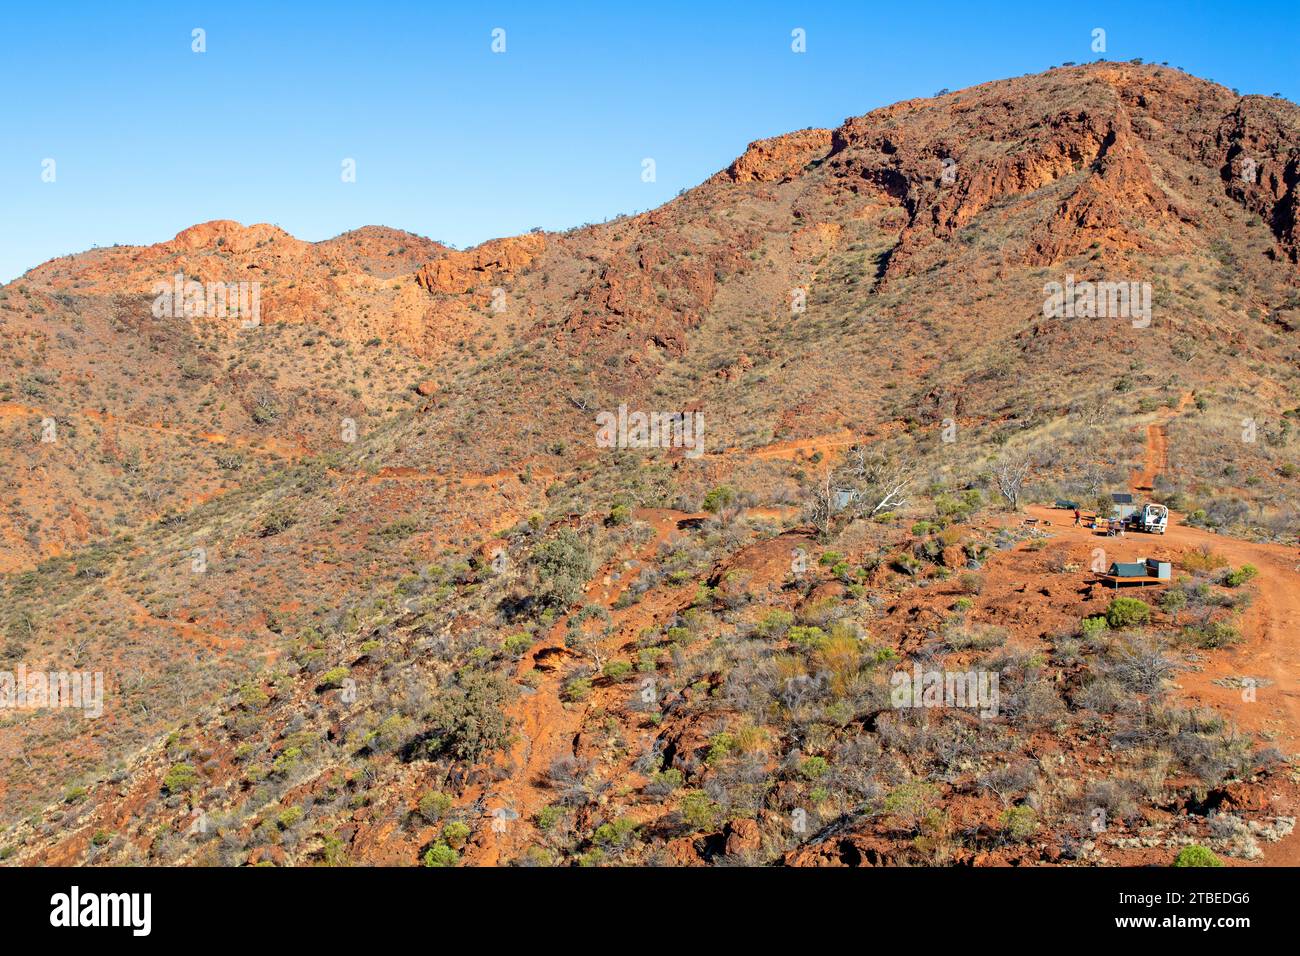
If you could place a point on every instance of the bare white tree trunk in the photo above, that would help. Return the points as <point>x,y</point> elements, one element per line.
<point>1010,475</point>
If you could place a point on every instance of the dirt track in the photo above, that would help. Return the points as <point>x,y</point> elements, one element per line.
<point>262,446</point>
<point>1157,447</point>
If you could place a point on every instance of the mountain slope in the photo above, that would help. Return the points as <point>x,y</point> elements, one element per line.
<point>880,285</point>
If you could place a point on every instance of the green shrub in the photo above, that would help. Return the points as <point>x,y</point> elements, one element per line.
<point>1019,823</point>
<point>906,564</point>
<point>616,833</point>
<point>393,732</point>
<point>286,760</point>
<point>775,623</point>
<point>576,690</point>
<point>912,800</point>
<point>548,816</point>
<point>1091,627</point>
<point>1213,634</point>
<point>814,768</point>
<point>1127,612</point>
<point>699,812</point>
<point>455,834</point>
<point>666,781</point>
<point>719,498</point>
<point>563,566</point>
<point>468,718</point>
<point>333,678</point>
<point>517,644</point>
<point>720,747</point>
<point>288,817</point>
<point>277,521</point>
<point>253,697</point>
<point>617,670</point>
<point>810,637</point>
<point>434,805</point>
<point>1196,856</point>
<point>180,777</point>
<point>1173,601</point>
<point>1236,579</point>
<point>679,635</point>
<point>399,529</point>
<point>441,855</point>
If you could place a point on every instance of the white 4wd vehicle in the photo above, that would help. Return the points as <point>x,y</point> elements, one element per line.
<point>1153,518</point>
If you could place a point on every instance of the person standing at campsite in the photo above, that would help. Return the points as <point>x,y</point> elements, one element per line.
<point>1077,517</point>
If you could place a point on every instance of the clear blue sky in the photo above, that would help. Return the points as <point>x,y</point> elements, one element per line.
<point>454,142</point>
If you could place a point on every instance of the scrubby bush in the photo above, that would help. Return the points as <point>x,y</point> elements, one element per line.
<point>617,670</point>
<point>333,678</point>
<point>699,812</point>
<point>548,817</point>
<point>1212,634</point>
<point>1203,559</point>
<point>1093,627</point>
<point>288,817</point>
<point>563,566</point>
<point>1235,579</point>
<point>180,777</point>
<point>664,782</point>
<point>468,717</point>
<point>1018,823</point>
<point>775,623</point>
<point>517,644</point>
<point>962,637</point>
<point>615,834</point>
<point>1127,612</point>
<point>814,768</point>
<point>433,806</point>
<point>391,733</point>
<point>1196,856</point>
<point>1173,601</point>
<point>440,854</point>
<point>719,498</point>
<point>277,521</point>
<point>577,689</point>
<point>912,801</point>
<point>455,834</point>
<point>810,637</point>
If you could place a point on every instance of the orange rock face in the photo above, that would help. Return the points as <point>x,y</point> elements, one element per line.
<point>459,272</point>
<point>779,158</point>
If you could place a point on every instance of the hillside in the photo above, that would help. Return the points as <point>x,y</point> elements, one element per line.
<point>437,621</point>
